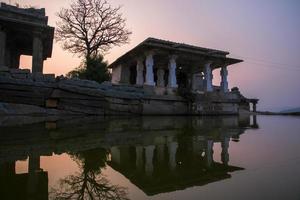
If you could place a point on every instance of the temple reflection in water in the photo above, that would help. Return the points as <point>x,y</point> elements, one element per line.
<point>157,154</point>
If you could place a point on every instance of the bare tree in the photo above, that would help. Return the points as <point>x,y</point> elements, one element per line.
<point>89,27</point>
<point>88,183</point>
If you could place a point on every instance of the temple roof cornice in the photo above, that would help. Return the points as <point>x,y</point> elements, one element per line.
<point>184,51</point>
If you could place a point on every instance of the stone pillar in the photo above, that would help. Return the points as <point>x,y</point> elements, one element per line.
<point>197,145</point>
<point>209,152</point>
<point>15,59</point>
<point>254,106</point>
<point>140,72</point>
<point>116,74</point>
<point>33,163</point>
<point>115,155</point>
<point>225,154</point>
<point>224,81</point>
<point>197,81</point>
<point>254,121</point>
<point>160,150</point>
<point>2,46</point>
<point>7,169</point>
<point>149,70</point>
<point>33,169</point>
<point>160,77</point>
<point>172,81</point>
<point>37,54</point>
<point>139,156</point>
<point>149,151</point>
<point>172,149</point>
<point>208,76</point>
<point>125,74</point>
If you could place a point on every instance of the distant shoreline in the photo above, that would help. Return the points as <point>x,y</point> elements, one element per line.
<point>277,113</point>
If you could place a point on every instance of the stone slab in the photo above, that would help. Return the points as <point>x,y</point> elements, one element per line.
<point>58,93</point>
<point>80,109</point>
<point>85,103</point>
<point>19,71</point>
<point>19,76</point>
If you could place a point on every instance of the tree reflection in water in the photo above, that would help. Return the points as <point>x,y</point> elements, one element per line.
<point>88,183</point>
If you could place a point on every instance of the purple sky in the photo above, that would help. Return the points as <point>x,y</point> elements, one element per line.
<point>264,33</point>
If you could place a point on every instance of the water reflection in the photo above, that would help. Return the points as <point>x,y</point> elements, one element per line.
<point>157,154</point>
<point>88,183</point>
<point>31,185</point>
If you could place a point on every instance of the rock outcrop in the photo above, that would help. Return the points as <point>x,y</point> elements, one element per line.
<point>25,93</point>
<point>22,92</point>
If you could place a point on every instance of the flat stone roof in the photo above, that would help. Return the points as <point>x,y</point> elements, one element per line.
<point>187,51</point>
<point>21,23</point>
<point>31,16</point>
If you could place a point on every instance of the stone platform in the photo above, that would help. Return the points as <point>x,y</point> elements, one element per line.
<point>25,93</point>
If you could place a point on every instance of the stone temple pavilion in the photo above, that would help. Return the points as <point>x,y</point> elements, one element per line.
<point>157,77</point>
<point>24,31</point>
<point>175,68</point>
<point>173,65</point>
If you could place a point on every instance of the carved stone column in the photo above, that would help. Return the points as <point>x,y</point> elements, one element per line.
<point>208,76</point>
<point>224,81</point>
<point>33,169</point>
<point>254,106</point>
<point>140,72</point>
<point>125,74</point>
<point>197,81</point>
<point>149,69</point>
<point>160,77</point>
<point>172,81</point>
<point>33,163</point>
<point>172,149</point>
<point>2,46</point>
<point>139,157</point>
<point>7,169</point>
<point>225,154</point>
<point>115,154</point>
<point>15,60</point>
<point>149,151</point>
<point>160,152</point>
<point>37,53</point>
<point>254,121</point>
<point>209,152</point>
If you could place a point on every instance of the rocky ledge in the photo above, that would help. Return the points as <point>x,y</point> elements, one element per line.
<point>25,93</point>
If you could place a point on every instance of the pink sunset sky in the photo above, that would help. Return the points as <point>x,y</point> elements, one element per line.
<point>264,33</point>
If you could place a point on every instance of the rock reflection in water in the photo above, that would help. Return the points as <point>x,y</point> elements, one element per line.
<point>157,154</point>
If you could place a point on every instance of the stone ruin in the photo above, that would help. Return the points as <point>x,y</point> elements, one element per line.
<point>24,31</point>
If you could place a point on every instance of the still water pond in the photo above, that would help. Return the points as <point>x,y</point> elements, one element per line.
<point>242,157</point>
